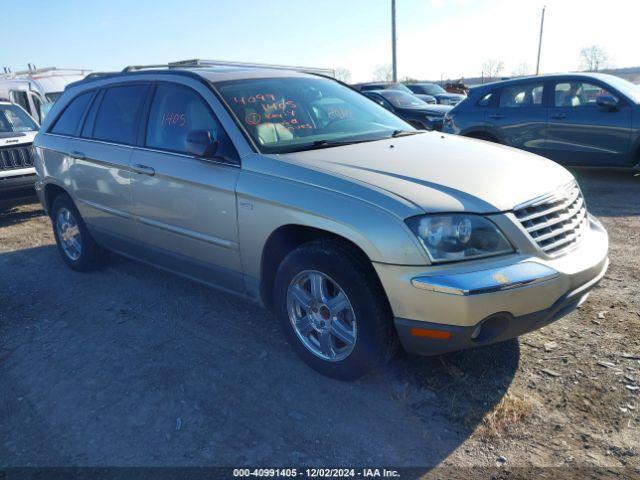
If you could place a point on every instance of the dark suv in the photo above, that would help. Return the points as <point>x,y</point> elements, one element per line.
<point>576,119</point>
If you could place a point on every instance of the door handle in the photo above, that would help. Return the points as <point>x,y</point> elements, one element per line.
<point>78,155</point>
<point>559,116</point>
<point>143,169</point>
<point>496,116</point>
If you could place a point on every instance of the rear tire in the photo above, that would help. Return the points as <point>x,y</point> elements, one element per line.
<point>75,244</point>
<point>350,307</point>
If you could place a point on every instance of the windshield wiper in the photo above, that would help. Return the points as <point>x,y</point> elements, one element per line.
<point>402,133</point>
<point>323,144</point>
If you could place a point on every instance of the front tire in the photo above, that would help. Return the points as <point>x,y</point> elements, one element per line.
<point>75,244</point>
<point>333,310</point>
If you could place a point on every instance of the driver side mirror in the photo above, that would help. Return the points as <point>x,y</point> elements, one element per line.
<point>200,143</point>
<point>607,101</point>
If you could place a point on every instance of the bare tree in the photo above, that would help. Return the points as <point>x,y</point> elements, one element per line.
<point>521,70</point>
<point>492,68</point>
<point>383,73</point>
<point>408,79</point>
<point>343,74</point>
<point>594,58</point>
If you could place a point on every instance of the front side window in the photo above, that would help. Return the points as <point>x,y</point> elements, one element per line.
<point>15,119</point>
<point>21,98</point>
<point>290,114</point>
<point>118,112</point>
<point>522,95</point>
<point>578,94</point>
<point>69,121</point>
<point>177,110</point>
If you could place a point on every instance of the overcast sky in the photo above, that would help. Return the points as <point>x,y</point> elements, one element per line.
<point>451,38</point>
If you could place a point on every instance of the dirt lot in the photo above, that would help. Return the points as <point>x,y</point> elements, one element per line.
<point>130,366</point>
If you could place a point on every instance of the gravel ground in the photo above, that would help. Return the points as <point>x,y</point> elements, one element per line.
<point>130,366</point>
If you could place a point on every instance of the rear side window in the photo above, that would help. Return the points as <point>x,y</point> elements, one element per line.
<point>522,95</point>
<point>118,113</point>
<point>69,121</point>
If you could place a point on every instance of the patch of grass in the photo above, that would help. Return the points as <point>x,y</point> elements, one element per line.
<point>505,418</point>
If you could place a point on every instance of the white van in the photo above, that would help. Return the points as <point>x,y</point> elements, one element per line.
<point>51,80</point>
<point>25,93</point>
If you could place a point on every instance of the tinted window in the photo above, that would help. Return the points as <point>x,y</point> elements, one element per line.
<point>522,95</point>
<point>116,118</point>
<point>577,94</point>
<point>175,112</point>
<point>69,121</point>
<point>21,99</point>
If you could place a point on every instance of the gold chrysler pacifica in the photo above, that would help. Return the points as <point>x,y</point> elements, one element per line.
<point>293,190</point>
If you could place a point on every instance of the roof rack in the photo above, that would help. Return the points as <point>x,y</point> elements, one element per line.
<point>196,62</point>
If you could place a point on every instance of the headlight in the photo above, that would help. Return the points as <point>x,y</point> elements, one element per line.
<point>455,237</point>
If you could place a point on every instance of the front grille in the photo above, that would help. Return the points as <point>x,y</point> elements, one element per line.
<point>12,158</point>
<point>556,222</point>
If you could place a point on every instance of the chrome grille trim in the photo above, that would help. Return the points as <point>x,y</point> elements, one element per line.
<point>555,222</point>
<point>16,157</point>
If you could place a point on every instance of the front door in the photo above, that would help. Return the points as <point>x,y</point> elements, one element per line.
<point>582,133</point>
<point>520,116</point>
<point>185,206</point>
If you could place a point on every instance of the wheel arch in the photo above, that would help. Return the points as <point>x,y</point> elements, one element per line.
<point>287,238</point>
<point>51,191</point>
<point>482,135</point>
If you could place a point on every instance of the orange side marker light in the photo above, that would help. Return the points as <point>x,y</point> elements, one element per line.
<point>429,333</point>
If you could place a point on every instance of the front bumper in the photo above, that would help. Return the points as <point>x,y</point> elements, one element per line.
<point>15,180</point>
<point>453,307</point>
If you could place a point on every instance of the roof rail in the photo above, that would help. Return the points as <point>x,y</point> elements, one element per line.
<point>94,75</point>
<point>196,62</point>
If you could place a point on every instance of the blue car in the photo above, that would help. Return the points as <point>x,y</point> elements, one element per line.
<point>583,119</point>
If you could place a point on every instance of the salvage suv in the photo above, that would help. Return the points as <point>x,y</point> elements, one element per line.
<point>295,191</point>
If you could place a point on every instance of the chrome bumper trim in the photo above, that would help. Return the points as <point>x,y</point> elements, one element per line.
<point>487,281</point>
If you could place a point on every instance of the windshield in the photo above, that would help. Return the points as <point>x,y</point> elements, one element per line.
<point>625,87</point>
<point>292,114</point>
<point>14,119</point>
<point>401,99</point>
<point>433,89</point>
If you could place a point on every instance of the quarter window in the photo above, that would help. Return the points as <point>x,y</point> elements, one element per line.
<point>486,100</point>
<point>69,121</point>
<point>522,95</point>
<point>578,94</point>
<point>175,112</point>
<point>118,112</point>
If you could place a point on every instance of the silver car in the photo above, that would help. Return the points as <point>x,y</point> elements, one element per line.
<point>292,190</point>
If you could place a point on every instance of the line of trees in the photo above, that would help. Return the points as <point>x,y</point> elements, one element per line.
<point>592,59</point>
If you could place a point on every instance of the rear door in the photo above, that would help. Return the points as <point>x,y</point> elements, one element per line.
<point>100,170</point>
<point>582,133</point>
<point>186,206</point>
<point>519,116</point>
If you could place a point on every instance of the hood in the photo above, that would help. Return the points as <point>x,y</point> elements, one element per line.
<point>442,173</point>
<point>16,138</point>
